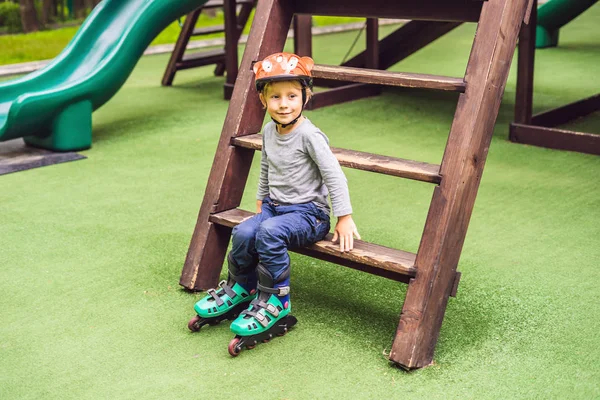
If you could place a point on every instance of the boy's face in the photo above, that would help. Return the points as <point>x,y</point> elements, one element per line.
<point>283,100</point>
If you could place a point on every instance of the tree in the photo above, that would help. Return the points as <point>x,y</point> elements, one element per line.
<point>48,11</point>
<point>29,17</point>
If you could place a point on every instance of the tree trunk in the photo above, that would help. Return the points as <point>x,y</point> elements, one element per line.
<point>29,17</point>
<point>79,6</point>
<point>47,11</point>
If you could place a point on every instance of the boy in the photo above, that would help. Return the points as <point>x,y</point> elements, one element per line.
<point>298,172</point>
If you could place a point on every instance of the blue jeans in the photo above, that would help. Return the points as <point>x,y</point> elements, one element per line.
<point>268,235</point>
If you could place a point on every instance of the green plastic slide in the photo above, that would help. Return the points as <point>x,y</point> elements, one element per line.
<point>52,108</point>
<point>553,15</point>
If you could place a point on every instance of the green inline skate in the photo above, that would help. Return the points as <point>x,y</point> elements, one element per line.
<point>267,316</point>
<point>227,301</point>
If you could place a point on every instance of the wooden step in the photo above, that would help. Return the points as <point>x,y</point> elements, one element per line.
<point>219,3</point>
<point>368,257</point>
<point>208,30</point>
<point>380,77</point>
<point>416,170</point>
<point>198,59</point>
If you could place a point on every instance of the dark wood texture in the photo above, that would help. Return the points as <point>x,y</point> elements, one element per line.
<point>378,77</point>
<point>180,45</point>
<point>207,30</point>
<point>404,41</point>
<point>232,36</point>
<point>231,165</point>
<point>365,254</point>
<point>526,51</point>
<point>416,170</point>
<point>201,58</point>
<point>462,167</point>
<point>431,273</point>
<point>395,47</point>
<point>553,138</point>
<point>372,48</point>
<point>567,113</point>
<point>303,35</point>
<point>342,94</point>
<point>226,59</point>
<point>430,10</point>
<point>539,129</point>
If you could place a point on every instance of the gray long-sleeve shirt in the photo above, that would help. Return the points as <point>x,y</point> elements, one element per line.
<point>299,167</point>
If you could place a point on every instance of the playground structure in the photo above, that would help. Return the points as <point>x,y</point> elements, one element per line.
<point>553,15</point>
<point>52,108</point>
<point>540,129</point>
<point>431,272</point>
<point>226,59</point>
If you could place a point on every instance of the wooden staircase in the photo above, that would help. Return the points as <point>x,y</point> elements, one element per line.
<point>226,59</point>
<point>431,272</point>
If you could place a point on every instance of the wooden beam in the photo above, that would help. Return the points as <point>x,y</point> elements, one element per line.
<point>400,167</point>
<point>404,41</point>
<point>342,94</point>
<point>430,10</point>
<point>462,167</point>
<point>231,166</point>
<point>369,257</point>
<point>567,113</point>
<point>180,46</point>
<point>387,78</point>
<point>303,35</point>
<point>554,138</point>
<point>526,61</point>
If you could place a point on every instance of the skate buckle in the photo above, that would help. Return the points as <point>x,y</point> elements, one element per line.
<point>283,291</point>
<point>223,282</point>
<point>272,309</point>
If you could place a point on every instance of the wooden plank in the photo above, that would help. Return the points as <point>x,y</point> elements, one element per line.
<point>416,170</point>
<point>567,113</point>
<point>553,138</point>
<point>372,44</point>
<point>429,10</point>
<point>303,35</point>
<point>201,58</point>
<point>231,166</point>
<point>378,77</point>
<point>232,37</point>
<point>208,30</point>
<point>220,3</point>
<point>364,253</point>
<point>526,61</point>
<point>342,94</point>
<point>462,167</point>
<point>180,46</point>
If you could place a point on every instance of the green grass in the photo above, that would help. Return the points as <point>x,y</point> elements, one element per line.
<point>92,252</point>
<point>45,45</point>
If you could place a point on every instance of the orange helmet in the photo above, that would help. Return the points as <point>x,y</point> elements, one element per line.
<point>283,67</point>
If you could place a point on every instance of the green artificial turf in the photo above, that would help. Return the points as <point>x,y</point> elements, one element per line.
<point>90,306</point>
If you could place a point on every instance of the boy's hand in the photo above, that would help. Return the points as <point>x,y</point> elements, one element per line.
<point>258,206</point>
<point>345,230</point>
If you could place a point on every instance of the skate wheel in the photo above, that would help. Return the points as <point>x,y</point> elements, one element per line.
<point>267,340</point>
<point>233,348</point>
<point>250,347</point>
<point>285,330</point>
<point>194,324</point>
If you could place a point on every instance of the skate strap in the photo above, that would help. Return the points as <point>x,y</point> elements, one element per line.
<point>215,296</point>
<point>257,306</point>
<point>281,291</point>
<point>227,289</point>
